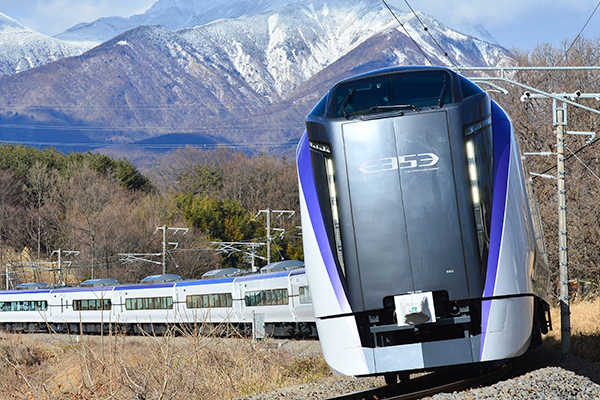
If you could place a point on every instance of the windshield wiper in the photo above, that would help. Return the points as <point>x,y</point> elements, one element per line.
<point>442,94</point>
<point>394,107</point>
<point>348,100</point>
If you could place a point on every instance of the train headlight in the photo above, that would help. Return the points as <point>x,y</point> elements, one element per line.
<point>475,194</point>
<point>335,216</point>
<point>478,126</point>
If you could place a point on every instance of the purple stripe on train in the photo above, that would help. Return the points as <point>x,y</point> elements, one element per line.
<point>307,180</point>
<point>501,129</point>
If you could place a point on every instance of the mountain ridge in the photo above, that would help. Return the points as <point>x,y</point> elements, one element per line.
<point>246,82</point>
<point>172,14</point>
<point>22,48</point>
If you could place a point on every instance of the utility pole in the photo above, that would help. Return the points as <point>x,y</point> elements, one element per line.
<point>60,252</point>
<point>165,228</point>
<point>268,211</point>
<point>9,279</point>
<point>268,235</point>
<point>238,247</point>
<point>563,252</point>
<point>560,122</point>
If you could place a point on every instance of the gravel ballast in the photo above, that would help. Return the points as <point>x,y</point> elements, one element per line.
<point>542,373</point>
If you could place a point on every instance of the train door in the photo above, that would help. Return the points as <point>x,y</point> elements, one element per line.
<point>120,308</point>
<point>242,303</point>
<point>403,209</point>
<point>176,305</point>
<point>293,296</point>
<point>63,306</point>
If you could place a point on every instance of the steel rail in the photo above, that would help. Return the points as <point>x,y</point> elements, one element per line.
<point>428,385</point>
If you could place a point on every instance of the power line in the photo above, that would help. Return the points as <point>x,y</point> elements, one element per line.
<point>573,153</point>
<point>580,32</point>
<point>430,35</point>
<point>87,107</point>
<point>584,164</point>
<point>159,129</point>
<point>407,33</point>
<point>564,56</point>
<point>228,145</point>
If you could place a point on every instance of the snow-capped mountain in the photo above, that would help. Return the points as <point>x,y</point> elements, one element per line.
<point>172,14</point>
<point>22,48</point>
<point>478,31</point>
<point>245,80</point>
<point>276,51</point>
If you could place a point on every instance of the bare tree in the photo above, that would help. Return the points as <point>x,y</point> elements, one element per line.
<point>85,196</point>
<point>533,124</point>
<point>41,183</point>
<point>13,214</point>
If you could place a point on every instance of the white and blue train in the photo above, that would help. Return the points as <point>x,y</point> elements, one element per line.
<point>226,303</point>
<point>422,239</point>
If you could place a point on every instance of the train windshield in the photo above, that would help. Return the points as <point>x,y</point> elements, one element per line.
<point>383,93</point>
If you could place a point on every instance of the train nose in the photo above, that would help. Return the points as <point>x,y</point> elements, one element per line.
<point>414,309</point>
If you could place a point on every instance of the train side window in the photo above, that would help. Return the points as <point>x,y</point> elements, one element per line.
<point>92,304</point>
<point>272,297</point>
<point>305,296</point>
<point>27,305</point>
<point>214,300</point>
<point>149,303</point>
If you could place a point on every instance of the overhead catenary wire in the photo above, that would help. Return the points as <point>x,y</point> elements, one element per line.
<point>430,35</point>
<point>408,33</point>
<point>112,261</point>
<point>573,154</point>
<point>580,32</point>
<point>564,56</point>
<point>584,164</point>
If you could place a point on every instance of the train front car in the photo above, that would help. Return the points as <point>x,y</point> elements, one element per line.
<point>423,247</point>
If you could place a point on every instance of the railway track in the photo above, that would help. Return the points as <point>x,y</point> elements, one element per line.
<point>430,384</point>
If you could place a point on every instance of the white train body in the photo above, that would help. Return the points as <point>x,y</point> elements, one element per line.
<point>422,240</point>
<point>229,303</point>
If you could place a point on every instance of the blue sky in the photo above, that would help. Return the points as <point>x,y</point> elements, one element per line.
<point>513,23</point>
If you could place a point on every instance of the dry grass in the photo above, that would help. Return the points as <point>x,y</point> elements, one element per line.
<point>585,330</point>
<point>167,367</point>
<point>190,366</point>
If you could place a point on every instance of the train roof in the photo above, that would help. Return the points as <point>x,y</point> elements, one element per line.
<point>32,286</point>
<point>225,275</point>
<point>277,274</point>
<point>163,278</point>
<point>282,266</point>
<point>99,282</point>
<point>220,273</point>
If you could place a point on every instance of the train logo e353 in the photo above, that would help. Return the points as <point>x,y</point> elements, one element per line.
<point>411,162</point>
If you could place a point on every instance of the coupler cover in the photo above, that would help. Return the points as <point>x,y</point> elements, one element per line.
<point>415,309</point>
